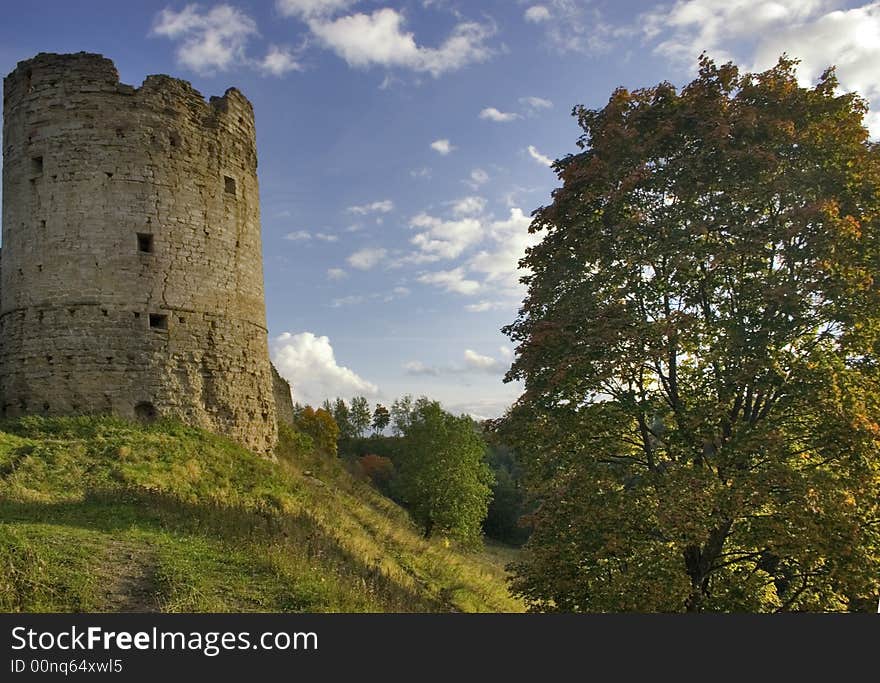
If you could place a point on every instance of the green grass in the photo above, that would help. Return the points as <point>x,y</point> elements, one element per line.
<point>98,514</point>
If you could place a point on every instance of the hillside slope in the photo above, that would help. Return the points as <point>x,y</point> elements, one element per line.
<point>97,514</point>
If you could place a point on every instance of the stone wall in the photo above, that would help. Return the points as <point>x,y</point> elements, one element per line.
<point>132,277</point>
<point>283,398</point>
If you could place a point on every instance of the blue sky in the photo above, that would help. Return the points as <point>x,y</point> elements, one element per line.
<point>403,145</point>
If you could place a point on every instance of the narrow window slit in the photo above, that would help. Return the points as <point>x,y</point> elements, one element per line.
<point>158,321</point>
<point>145,242</point>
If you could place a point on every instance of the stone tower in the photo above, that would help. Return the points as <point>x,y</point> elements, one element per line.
<point>132,278</point>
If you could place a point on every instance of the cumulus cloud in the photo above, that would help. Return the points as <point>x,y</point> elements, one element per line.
<point>469,206</point>
<point>309,363</point>
<point>442,146</point>
<point>493,114</point>
<point>423,172</point>
<point>688,27</point>
<point>209,41</point>
<point>500,264</point>
<point>758,32</point>
<point>367,258</point>
<point>278,61</point>
<point>477,361</point>
<point>380,39</point>
<point>537,14</point>
<point>440,239</point>
<point>451,281</point>
<point>540,158</point>
<point>384,206</point>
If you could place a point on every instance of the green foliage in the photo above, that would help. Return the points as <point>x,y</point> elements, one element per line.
<point>320,426</point>
<point>360,415</point>
<point>342,416</point>
<point>699,347</point>
<point>442,473</point>
<point>504,518</point>
<point>381,418</point>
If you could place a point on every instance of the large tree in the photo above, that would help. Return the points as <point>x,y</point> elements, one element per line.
<point>699,346</point>
<point>442,474</point>
<point>360,415</point>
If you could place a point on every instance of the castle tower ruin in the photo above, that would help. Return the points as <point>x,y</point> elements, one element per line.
<point>132,279</point>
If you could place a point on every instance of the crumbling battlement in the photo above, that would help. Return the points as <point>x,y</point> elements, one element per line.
<point>132,278</point>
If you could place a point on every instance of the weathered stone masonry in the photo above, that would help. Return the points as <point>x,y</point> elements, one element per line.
<point>132,278</point>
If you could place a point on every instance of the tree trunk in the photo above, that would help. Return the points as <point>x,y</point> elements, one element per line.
<point>698,561</point>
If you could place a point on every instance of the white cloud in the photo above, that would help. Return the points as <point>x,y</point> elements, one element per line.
<point>442,146</point>
<point>451,281</point>
<point>305,236</point>
<point>441,239</point>
<point>367,258</point>
<point>482,306</point>
<point>308,362</point>
<point>213,40</point>
<point>384,206</point>
<point>688,27</point>
<point>312,8</point>
<point>483,409</point>
<point>469,206</point>
<point>576,26</point>
<point>476,361</point>
<point>760,31</point>
<point>537,14</point>
<point>540,158</point>
<point>278,61</point>
<point>417,367</point>
<point>379,39</point>
<point>336,274</point>
<point>499,265</point>
<point>535,103</point>
<point>493,114</point>
<point>471,362</point>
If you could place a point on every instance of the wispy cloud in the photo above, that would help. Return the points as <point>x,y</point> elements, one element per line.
<point>540,158</point>
<point>383,206</point>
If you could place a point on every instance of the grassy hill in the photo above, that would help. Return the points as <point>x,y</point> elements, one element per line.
<point>98,514</point>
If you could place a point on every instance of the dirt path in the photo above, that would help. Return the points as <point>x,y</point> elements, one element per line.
<point>127,578</point>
